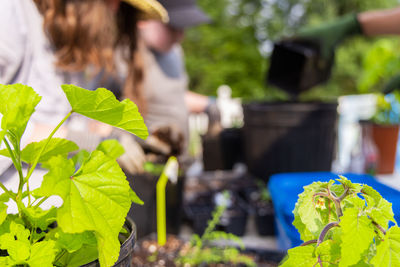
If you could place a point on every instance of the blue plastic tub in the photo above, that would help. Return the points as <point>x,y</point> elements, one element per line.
<point>285,188</point>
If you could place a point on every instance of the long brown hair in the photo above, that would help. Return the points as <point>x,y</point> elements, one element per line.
<point>133,87</point>
<point>87,32</point>
<point>82,32</point>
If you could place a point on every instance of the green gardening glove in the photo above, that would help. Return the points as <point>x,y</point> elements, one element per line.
<point>327,36</point>
<point>392,85</point>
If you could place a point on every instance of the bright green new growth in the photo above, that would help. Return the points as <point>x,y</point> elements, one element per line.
<point>203,249</point>
<point>345,224</point>
<point>96,195</point>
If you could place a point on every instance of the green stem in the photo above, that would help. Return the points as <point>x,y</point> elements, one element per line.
<point>324,231</point>
<point>346,191</point>
<point>379,227</point>
<point>60,255</point>
<point>17,165</point>
<point>29,195</point>
<point>11,194</point>
<point>309,242</point>
<point>44,147</point>
<point>28,192</point>
<point>41,201</point>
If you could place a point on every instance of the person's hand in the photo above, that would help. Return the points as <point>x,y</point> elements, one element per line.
<point>166,140</point>
<point>328,35</point>
<point>133,159</point>
<point>214,117</point>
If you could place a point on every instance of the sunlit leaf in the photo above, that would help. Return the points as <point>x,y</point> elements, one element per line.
<point>96,198</point>
<point>111,148</point>
<point>102,105</point>
<point>17,104</point>
<point>56,146</point>
<point>388,251</point>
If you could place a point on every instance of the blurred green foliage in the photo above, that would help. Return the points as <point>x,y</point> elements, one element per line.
<point>234,49</point>
<point>387,109</point>
<point>381,63</point>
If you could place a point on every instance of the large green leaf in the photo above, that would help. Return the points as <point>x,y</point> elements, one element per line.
<point>74,242</point>
<point>388,251</point>
<point>42,254</point>
<point>56,146</point>
<point>96,198</point>
<point>17,104</point>
<point>111,148</point>
<point>21,251</point>
<point>39,218</point>
<point>354,187</point>
<point>329,252</point>
<point>16,243</point>
<point>86,254</point>
<point>379,209</point>
<point>312,219</point>
<point>102,105</point>
<point>357,236</point>
<point>301,257</point>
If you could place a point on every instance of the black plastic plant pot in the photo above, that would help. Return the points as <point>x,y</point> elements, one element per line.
<point>212,153</point>
<point>289,137</point>
<point>199,212</point>
<point>237,224</point>
<point>145,215</point>
<point>265,221</point>
<point>296,66</point>
<point>125,254</point>
<point>266,257</point>
<point>222,151</point>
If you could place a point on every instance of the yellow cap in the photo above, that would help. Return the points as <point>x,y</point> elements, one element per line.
<point>151,9</point>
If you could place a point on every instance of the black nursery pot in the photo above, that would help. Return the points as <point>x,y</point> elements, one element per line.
<point>296,66</point>
<point>289,137</point>
<point>264,218</point>
<point>222,151</point>
<point>199,212</point>
<point>145,215</point>
<point>125,254</point>
<point>237,221</point>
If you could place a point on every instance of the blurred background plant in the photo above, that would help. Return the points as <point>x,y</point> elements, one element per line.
<point>381,63</point>
<point>387,109</point>
<point>234,49</point>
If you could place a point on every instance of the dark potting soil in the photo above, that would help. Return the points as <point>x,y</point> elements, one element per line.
<point>149,254</point>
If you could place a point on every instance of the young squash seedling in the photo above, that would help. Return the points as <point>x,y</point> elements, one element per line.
<point>96,195</point>
<point>345,224</point>
<point>203,249</point>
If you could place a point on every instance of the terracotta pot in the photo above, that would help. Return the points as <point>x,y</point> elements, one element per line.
<point>385,138</point>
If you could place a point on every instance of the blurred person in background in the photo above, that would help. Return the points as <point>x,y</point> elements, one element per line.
<point>47,43</point>
<point>163,97</point>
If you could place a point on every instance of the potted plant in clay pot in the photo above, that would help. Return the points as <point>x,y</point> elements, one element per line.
<point>381,64</point>
<point>90,225</point>
<point>383,130</point>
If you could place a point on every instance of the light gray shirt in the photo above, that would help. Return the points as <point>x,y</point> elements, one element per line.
<point>27,57</point>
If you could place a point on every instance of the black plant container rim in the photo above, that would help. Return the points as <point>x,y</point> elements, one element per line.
<point>126,247</point>
<point>284,105</point>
